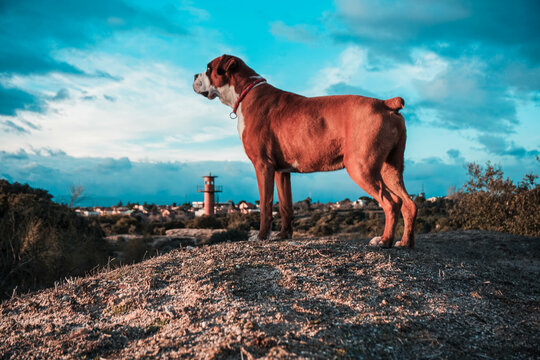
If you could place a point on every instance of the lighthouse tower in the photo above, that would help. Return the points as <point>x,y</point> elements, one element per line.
<point>209,189</point>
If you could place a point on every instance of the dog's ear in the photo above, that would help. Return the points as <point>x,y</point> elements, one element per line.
<point>231,65</point>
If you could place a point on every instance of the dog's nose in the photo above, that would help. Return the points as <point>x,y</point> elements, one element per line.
<point>195,76</point>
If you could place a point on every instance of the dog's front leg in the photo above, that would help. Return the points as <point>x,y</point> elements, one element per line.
<point>283,184</point>
<point>265,180</point>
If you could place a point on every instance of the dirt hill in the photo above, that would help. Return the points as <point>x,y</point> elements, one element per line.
<point>466,294</point>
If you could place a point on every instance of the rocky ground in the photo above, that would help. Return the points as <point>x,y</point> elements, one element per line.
<point>466,294</point>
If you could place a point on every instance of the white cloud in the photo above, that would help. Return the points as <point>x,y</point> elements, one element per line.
<point>348,65</point>
<point>147,111</point>
<point>353,69</point>
<point>451,98</point>
<point>296,33</point>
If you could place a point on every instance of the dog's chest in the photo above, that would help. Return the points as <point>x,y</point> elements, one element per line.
<point>240,125</point>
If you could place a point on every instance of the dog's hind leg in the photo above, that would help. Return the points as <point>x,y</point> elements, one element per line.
<point>369,178</point>
<point>283,184</point>
<point>265,181</point>
<point>392,174</point>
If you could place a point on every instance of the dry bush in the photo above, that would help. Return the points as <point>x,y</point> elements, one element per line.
<point>42,241</point>
<point>491,202</point>
<point>224,236</point>
<point>135,249</point>
<point>205,222</point>
<point>243,222</point>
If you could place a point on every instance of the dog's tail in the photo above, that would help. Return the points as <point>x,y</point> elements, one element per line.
<point>395,104</point>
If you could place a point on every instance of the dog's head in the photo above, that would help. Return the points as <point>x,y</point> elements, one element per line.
<point>222,76</point>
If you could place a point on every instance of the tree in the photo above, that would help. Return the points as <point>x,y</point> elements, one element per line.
<point>76,192</point>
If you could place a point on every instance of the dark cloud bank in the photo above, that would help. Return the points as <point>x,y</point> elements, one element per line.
<point>107,181</point>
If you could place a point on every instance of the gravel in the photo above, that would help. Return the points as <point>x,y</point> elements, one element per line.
<point>462,294</point>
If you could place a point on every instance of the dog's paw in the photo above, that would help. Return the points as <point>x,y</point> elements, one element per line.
<point>376,241</point>
<point>280,236</point>
<point>401,243</point>
<point>257,236</point>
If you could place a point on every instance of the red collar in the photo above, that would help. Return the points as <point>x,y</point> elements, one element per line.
<point>243,95</point>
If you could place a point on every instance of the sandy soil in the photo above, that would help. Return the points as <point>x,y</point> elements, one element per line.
<point>466,294</point>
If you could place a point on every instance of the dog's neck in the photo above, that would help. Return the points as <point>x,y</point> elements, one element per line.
<point>230,93</point>
<point>244,92</point>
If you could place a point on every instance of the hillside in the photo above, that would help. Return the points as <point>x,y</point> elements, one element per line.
<point>464,294</point>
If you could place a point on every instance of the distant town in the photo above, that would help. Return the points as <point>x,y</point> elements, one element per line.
<point>209,207</point>
<point>152,212</point>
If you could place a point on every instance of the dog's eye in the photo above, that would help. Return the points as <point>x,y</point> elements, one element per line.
<point>220,71</point>
<point>208,68</point>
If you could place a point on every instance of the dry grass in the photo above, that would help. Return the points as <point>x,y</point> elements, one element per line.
<point>466,294</point>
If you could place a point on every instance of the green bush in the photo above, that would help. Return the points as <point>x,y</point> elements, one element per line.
<point>491,202</point>
<point>42,241</point>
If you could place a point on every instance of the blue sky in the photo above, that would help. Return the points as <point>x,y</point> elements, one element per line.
<point>99,93</point>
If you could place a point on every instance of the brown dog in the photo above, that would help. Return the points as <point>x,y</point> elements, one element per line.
<point>284,132</point>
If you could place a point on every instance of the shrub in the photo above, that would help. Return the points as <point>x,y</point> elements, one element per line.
<point>126,225</point>
<point>224,236</point>
<point>133,250</point>
<point>42,241</point>
<point>490,202</point>
<point>322,230</point>
<point>205,222</point>
<point>243,222</point>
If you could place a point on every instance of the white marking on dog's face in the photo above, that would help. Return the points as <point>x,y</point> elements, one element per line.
<point>203,86</point>
<point>226,93</point>
<point>295,164</point>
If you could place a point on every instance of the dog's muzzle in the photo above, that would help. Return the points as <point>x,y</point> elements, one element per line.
<point>197,84</point>
<point>201,87</point>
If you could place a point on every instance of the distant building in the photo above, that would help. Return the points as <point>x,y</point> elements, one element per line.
<point>197,204</point>
<point>247,207</point>
<point>343,204</point>
<point>120,210</point>
<point>84,212</point>
<point>165,212</point>
<point>359,204</point>
<point>209,190</point>
<point>141,208</point>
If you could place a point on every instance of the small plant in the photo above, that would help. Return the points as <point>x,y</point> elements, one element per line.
<point>157,325</point>
<point>121,308</point>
